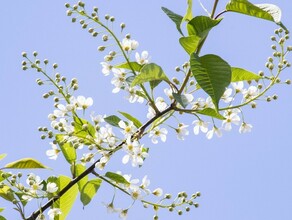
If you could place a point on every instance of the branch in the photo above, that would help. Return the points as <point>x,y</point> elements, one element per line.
<point>90,169</point>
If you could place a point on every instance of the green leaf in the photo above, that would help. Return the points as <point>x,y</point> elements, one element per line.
<point>2,156</point>
<point>89,190</point>
<point>80,132</point>
<point>113,120</point>
<point>67,149</point>
<point>2,217</point>
<point>79,168</point>
<point>190,43</point>
<point>212,73</point>
<point>181,99</point>
<point>150,72</point>
<point>239,74</point>
<point>201,25</point>
<point>26,163</point>
<point>135,121</point>
<point>189,15</point>
<point>7,193</point>
<point>66,201</point>
<point>268,12</point>
<point>136,66</point>
<point>2,209</point>
<point>117,178</point>
<point>177,19</point>
<point>211,112</point>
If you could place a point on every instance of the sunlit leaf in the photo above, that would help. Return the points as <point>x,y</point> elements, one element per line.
<point>239,74</point>
<point>2,209</point>
<point>190,43</point>
<point>150,72</point>
<point>80,132</point>
<point>201,25</point>
<point>26,163</point>
<point>135,121</point>
<point>177,19</point>
<point>79,168</point>
<point>129,66</point>
<point>117,178</point>
<point>264,11</point>
<point>189,14</point>
<point>7,193</point>
<point>2,217</point>
<point>67,148</point>
<point>2,156</point>
<point>212,73</point>
<point>211,112</point>
<point>89,190</point>
<point>66,201</point>
<point>113,120</point>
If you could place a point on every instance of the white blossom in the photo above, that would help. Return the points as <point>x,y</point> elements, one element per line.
<point>200,125</point>
<point>238,87</point>
<point>53,153</point>
<point>214,130</point>
<point>232,118</point>
<point>160,105</point>
<point>226,96</point>
<point>52,213</point>
<point>52,187</point>
<point>119,79</point>
<point>182,131</point>
<point>128,44</point>
<point>143,59</point>
<point>106,68</point>
<point>129,129</point>
<point>245,128</point>
<point>158,133</point>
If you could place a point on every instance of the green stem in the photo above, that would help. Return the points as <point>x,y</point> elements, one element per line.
<point>214,8</point>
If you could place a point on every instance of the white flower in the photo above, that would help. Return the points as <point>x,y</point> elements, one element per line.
<point>250,93</point>
<point>145,183</point>
<point>54,212</point>
<point>238,87</point>
<point>143,59</point>
<point>34,182</point>
<point>128,44</point>
<point>168,92</point>
<point>123,214</point>
<point>226,96</point>
<point>134,152</point>
<point>119,79</point>
<point>41,217</point>
<point>136,194</point>
<point>182,131</point>
<point>106,68</point>
<point>82,102</point>
<point>215,130</point>
<point>245,128</point>
<point>157,192</point>
<point>160,105</point>
<point>200,125</point>
<point>132,95</point>
<point>26,197</point>
<point>52,187</point>
<point>156,133</point>
<point>128,129</point>
<point>97,119</point>
<point>230,118</point>
<point>53,153</point>
<point>102,162</point>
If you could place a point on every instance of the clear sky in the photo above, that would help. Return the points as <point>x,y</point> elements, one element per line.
<point>240,176</point>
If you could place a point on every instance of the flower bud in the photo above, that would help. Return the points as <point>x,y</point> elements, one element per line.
<point>34,53</point>
<point>177,69</point>
<point>274,47</point>
<point>188,209</point>
<point>273,38</point>
<point>75,7</point>
<point>95,9</point>
<point>122,25</point>
<point>104,37</point>
<point>180,212</point>
<point>94,34</point>
<point>84,26</point>
<point>275,97</point>
<point>81,4</point>
<point>90,30</point>
<point>67,5</point>
<point>112,19</point>
<point>107,16</point>
<point>289,48</point>
<point>196,205</point>
<point>288,81</point>
<point>69,12</point>
<point>55,65</point>
<point>268,99</point>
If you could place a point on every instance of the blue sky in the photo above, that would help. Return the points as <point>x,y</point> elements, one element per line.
<point>240,176</point>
